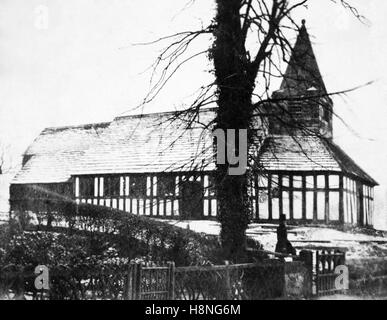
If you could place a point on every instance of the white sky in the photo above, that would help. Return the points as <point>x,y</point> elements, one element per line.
<point>82,67</point>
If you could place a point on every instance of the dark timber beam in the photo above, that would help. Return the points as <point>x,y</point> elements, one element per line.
<point>269,197</point>
<point>341,199</point>
<point>281,210</point>
<point>326,198</point>
<point>315,218</point>
<point>304,198</point>
<point>291,197</point>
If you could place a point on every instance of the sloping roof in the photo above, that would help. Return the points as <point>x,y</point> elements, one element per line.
<point>150,143</point>
<point>132,144</point>
<point>348,165</point>
<point>302,72</point>
<point>308,153</point>
<point>55,151</point>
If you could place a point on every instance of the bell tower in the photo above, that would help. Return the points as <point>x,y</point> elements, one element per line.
<point>303,98</point>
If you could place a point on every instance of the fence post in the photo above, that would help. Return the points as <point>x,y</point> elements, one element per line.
<point>171,280</point>
<point>307,257</point>
<point>137,276</point>
<point>132,287</point>
<point>228,281</point>
<point>128,282</point>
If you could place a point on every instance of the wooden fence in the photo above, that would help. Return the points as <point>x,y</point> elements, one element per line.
<point>150,282</point>
<point>253,281</point>
<point>270,279</point>
<point>83,282</point>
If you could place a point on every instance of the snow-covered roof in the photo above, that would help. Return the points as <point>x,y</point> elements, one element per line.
<point>53,154</point>
<point>131,144</point>
<point>150,143</point>
<point>308,153</point>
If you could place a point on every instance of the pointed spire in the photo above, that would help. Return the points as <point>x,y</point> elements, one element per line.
<point>302,72</point>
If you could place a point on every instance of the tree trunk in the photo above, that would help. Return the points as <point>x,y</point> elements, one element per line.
<point>235,88</point>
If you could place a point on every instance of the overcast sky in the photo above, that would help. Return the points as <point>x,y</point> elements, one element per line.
<point>79,66</point>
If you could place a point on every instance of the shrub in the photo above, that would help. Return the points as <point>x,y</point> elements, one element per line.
<point>131,235</point>
<point>158,240</point>
<point>34,248</point>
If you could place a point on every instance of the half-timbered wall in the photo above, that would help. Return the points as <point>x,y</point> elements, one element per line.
<point>304,197</point>
<point>311,197</point>
<point>156,195</point>
<point>368,205</point>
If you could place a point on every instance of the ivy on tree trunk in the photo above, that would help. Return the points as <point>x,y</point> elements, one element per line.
<point>235,86</point>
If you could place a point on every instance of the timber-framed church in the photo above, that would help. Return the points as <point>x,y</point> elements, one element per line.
<point>150,166</point>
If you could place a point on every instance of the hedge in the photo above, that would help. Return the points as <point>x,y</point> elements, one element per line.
<point>130,234</point>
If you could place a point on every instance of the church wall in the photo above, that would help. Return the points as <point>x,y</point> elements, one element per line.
<point>304,197</point>
<point>312,197</point>
<point>154,195</point>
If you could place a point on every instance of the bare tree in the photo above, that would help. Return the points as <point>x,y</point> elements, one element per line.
<point>1,161</point>
<point>5,162</point>
<point>251,42</point>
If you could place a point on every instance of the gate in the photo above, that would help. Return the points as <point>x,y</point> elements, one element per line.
<point>150,282</point>
<point>326,262</point>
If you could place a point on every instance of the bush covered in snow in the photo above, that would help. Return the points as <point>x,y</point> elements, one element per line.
<point>48,248</point>
<point>88,230</point>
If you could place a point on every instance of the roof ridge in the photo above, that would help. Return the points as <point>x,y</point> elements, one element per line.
<point>79,126</point>
<point>142,115</point>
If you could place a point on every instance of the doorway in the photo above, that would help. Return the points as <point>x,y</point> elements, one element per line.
<point>191,202</point>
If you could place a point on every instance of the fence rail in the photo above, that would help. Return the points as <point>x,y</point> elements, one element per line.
<point>143,282</point>
<point>150,283</point>
<point>221,282</point>
<point>254,281</point>
<point>83,282</point>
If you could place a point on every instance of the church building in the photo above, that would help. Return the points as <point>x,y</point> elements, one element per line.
<point>147,165</point>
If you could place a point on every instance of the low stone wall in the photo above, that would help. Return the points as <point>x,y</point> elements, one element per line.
<point>298,280</point>
<point>368,276</point>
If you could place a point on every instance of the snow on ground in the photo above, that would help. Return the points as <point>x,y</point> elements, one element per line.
<point>200,226</point>
<point>349,297</point>
<point>357,245</point>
